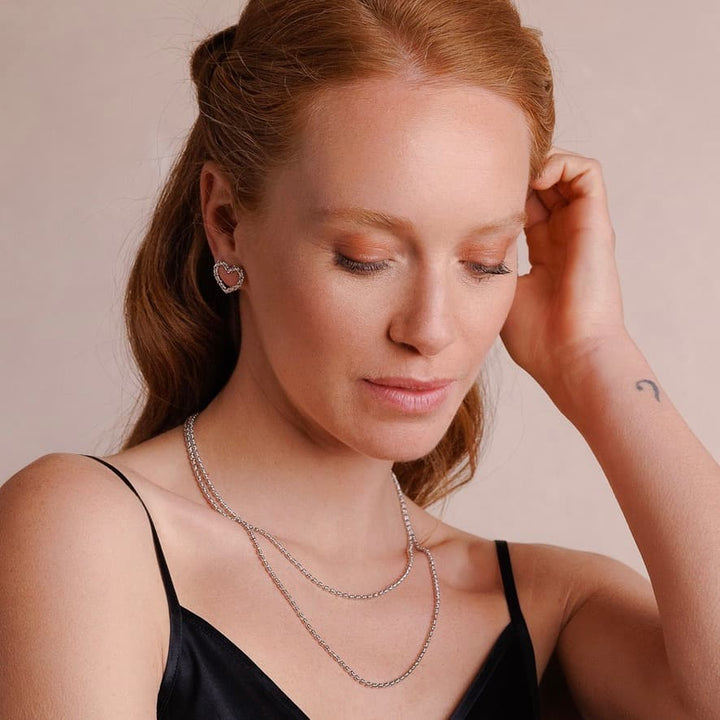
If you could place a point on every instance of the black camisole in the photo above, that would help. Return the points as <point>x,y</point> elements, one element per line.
<point>208,677</point>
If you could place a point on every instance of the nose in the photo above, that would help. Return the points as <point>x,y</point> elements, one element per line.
<point>424,321</point>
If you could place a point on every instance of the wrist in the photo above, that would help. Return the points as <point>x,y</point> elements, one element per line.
<point>586,383</point>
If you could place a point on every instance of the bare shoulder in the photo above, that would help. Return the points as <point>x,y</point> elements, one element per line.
<point>79,478</point>
<point>571,577</point>
<point>80,594</point>
<point>543,573</point>
<point>579,574</point>
<point>553,583</point>
<point>61,503</point>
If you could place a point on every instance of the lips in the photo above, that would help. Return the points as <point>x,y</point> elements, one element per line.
<point>409,396</point>
<point>406,383</point>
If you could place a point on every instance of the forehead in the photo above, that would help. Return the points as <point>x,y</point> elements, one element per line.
<point>398,145</point>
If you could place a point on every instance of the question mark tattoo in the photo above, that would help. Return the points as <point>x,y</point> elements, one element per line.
<point>639,385</point>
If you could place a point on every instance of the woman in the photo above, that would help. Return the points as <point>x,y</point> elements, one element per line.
<point>330,261</point>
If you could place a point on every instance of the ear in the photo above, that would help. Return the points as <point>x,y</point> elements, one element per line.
<point>218,213</point>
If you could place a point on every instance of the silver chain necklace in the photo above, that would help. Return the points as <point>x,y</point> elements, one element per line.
<point>215,500</point>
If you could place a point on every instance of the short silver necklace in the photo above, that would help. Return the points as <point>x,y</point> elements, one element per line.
<point>215,500</point>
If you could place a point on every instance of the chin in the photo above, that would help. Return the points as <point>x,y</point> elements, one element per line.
<point>402,432</point>
<point>401,444</point>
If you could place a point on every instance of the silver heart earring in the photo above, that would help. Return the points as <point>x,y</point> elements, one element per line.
<point>228,269</point>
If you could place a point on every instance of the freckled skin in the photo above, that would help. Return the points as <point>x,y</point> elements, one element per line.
<point>446,158</point>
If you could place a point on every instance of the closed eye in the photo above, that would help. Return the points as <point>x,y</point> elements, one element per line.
<point>482,270</point>
<point>366,268</point>
<point>359,268</point>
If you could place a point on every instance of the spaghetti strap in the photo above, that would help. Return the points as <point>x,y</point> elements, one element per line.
<point>173,604</point>
<point>164,571</point>
<point>516,616</point>
<point>508,581</point>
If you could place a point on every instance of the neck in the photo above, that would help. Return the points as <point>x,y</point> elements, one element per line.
<point>308,491</point>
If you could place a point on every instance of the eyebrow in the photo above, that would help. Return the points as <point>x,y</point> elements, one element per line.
<point>373,218</point>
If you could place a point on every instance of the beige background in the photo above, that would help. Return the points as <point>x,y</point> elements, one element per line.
<point>96,99</point>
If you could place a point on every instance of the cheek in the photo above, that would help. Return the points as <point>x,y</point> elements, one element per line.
<point>483,318</point>
<point>345,319</point>
<point>504,296</point>
<point>507,297</point>
<point>324,320</point>
<point>485,308</point>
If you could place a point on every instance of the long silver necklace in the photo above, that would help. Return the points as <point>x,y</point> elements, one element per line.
<point>216,501</point>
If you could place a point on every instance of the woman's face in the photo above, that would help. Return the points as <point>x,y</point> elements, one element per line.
<point>369,263</point>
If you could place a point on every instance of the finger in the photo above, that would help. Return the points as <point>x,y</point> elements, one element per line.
<point>556,150</point>
<point>536,234</point>
<point>574,175</point>
<point>554,153</point>
<point>551,198</point>
<point>537,211</point>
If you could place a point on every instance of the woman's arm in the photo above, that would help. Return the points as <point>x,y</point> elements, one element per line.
<point>628,650</point>
<point>668,487</point>
<point>80,597</point>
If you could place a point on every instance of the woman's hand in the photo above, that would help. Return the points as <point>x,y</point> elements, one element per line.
<point>569,304</point>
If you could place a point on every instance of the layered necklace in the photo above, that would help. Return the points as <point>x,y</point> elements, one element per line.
<point>214,499</point>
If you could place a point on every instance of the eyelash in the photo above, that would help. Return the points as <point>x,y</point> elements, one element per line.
<point>362,268</point>
<point>501,269</point>
<point>359,268</point>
